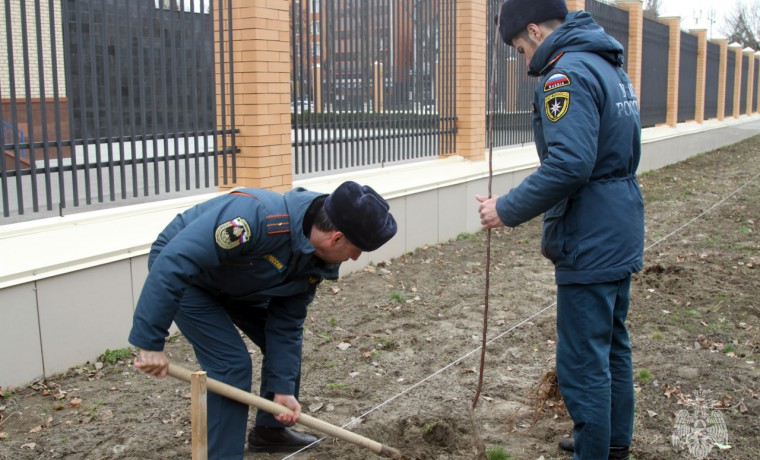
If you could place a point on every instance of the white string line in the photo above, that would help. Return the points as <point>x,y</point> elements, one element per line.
<point>703,213</point>
<point>463,357</point>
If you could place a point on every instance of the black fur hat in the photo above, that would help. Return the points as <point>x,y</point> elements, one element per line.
<point>361,214</point>
<point>517,14</point>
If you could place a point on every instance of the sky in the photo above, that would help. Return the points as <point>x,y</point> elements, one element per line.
<point>696,14</point>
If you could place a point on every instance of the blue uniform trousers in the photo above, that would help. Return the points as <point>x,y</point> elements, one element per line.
<point>594,367</point>
<point>210,327</point>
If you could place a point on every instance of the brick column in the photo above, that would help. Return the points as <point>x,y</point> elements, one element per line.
<point>722,74</point>
<point>635,41</point>
<point>737,50</point>
<point>750,54</point>
<point>576,5</point>
<point>261,44</point>
<point>701,34</point>
<point>471,78</point>
<point>674,50</point>
<point>757,76</point>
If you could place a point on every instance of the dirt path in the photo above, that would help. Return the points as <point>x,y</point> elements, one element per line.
<point>397,345</point>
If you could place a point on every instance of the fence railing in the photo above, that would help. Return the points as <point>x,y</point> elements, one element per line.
<point>373,83</point>
<point>109,101</point>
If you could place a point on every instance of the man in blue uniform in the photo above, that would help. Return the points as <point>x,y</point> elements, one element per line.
<point>588,137</point>
<point>251,260</point>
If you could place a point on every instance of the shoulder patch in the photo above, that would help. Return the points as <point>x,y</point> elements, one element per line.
<point>556,105</point>
<point>233,233</point>
<point>558,80</point>
<point>278,223</point>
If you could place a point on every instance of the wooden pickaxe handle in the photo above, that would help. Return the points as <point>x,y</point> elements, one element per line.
<point>244,397</point>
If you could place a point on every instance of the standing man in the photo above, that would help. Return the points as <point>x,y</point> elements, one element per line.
<point>251,259</point>
<point>588,136</point>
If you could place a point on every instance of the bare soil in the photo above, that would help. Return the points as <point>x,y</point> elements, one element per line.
<point>395,348</point>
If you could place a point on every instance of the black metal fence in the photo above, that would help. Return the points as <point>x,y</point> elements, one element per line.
<point>730,82</point>
<point>613,20</point>
<point>744,85</point>
<point>511,105</point>
<point>687,78</point>
<point>712,80</point>
<point>107,102</point>
<point>373,83</point>
<point>655,61</point>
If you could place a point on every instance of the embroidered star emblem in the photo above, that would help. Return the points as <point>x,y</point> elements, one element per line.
<point>555,108</point>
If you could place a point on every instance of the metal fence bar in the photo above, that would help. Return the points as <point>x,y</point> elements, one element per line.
<point>656,60</point>
<point>744,84</point>
<point>730,84</point>
<point>687,77</point>
<point>711,80</point>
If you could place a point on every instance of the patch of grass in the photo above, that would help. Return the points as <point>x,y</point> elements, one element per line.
<point>333,322</point>
<point>466,236</point>
<point>337,386</point>
<point>397,296</point>
<point>497,453</point>
<point>729,348</point>
<point>428,426</point>
<point>6,394</point>
<point>645,375</point>
<point>386,343</point>
<point>327,364</point>
<point>658,336</point>
<point>114,356</point>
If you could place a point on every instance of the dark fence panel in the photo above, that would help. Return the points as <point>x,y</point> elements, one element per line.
<point>511,105</point>
<point>730,83</point>
<point>687,78</point>
<point>655,61</point>
<point>614,21</point>
<point>756,96</point>
<point>373,83</point>
<point>111,103</point>
<point>712,80</point>
<point>744,85</point>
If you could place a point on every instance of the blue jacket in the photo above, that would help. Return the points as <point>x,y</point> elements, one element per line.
<point>246,246</point>
<point>588,136</point>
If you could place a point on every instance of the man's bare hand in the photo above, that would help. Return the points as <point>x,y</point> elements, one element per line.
<point>291,403</point>
<point>489,218</point>
<point>152,362</point>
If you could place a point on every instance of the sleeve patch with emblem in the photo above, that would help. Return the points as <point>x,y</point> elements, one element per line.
<point>232,233</point>
<point>558,80</point>
<point>556,105</point>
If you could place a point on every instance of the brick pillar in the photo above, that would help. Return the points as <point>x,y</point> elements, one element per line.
<point>701,34</point>
<point>576,5</point>
<point>757,76</point>
<point>722,74</point>
<point>471,78</point>
<point>635,41</point>
<point>674,50</point>
<point>261,44</point>
<point>737,50</point>
<point>750,53</point>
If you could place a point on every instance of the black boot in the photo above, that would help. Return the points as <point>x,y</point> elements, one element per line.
<point>619,453</point>
<point>268,439</point>
<point>616,453</point>
<point>567,444</point>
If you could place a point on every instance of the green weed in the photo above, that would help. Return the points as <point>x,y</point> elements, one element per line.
<point>645,375</point>
<point>114,356</point>
<point>397,296</point>
<point>497,453</point>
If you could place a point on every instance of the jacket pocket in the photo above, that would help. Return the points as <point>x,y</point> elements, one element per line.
<point>554,234</point>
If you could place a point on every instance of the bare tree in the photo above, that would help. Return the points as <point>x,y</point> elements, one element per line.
<point>743,25</point>
<point>652,8</point>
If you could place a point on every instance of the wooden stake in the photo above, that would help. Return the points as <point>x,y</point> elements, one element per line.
<point>198,414</point>
<point>244,397</point>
